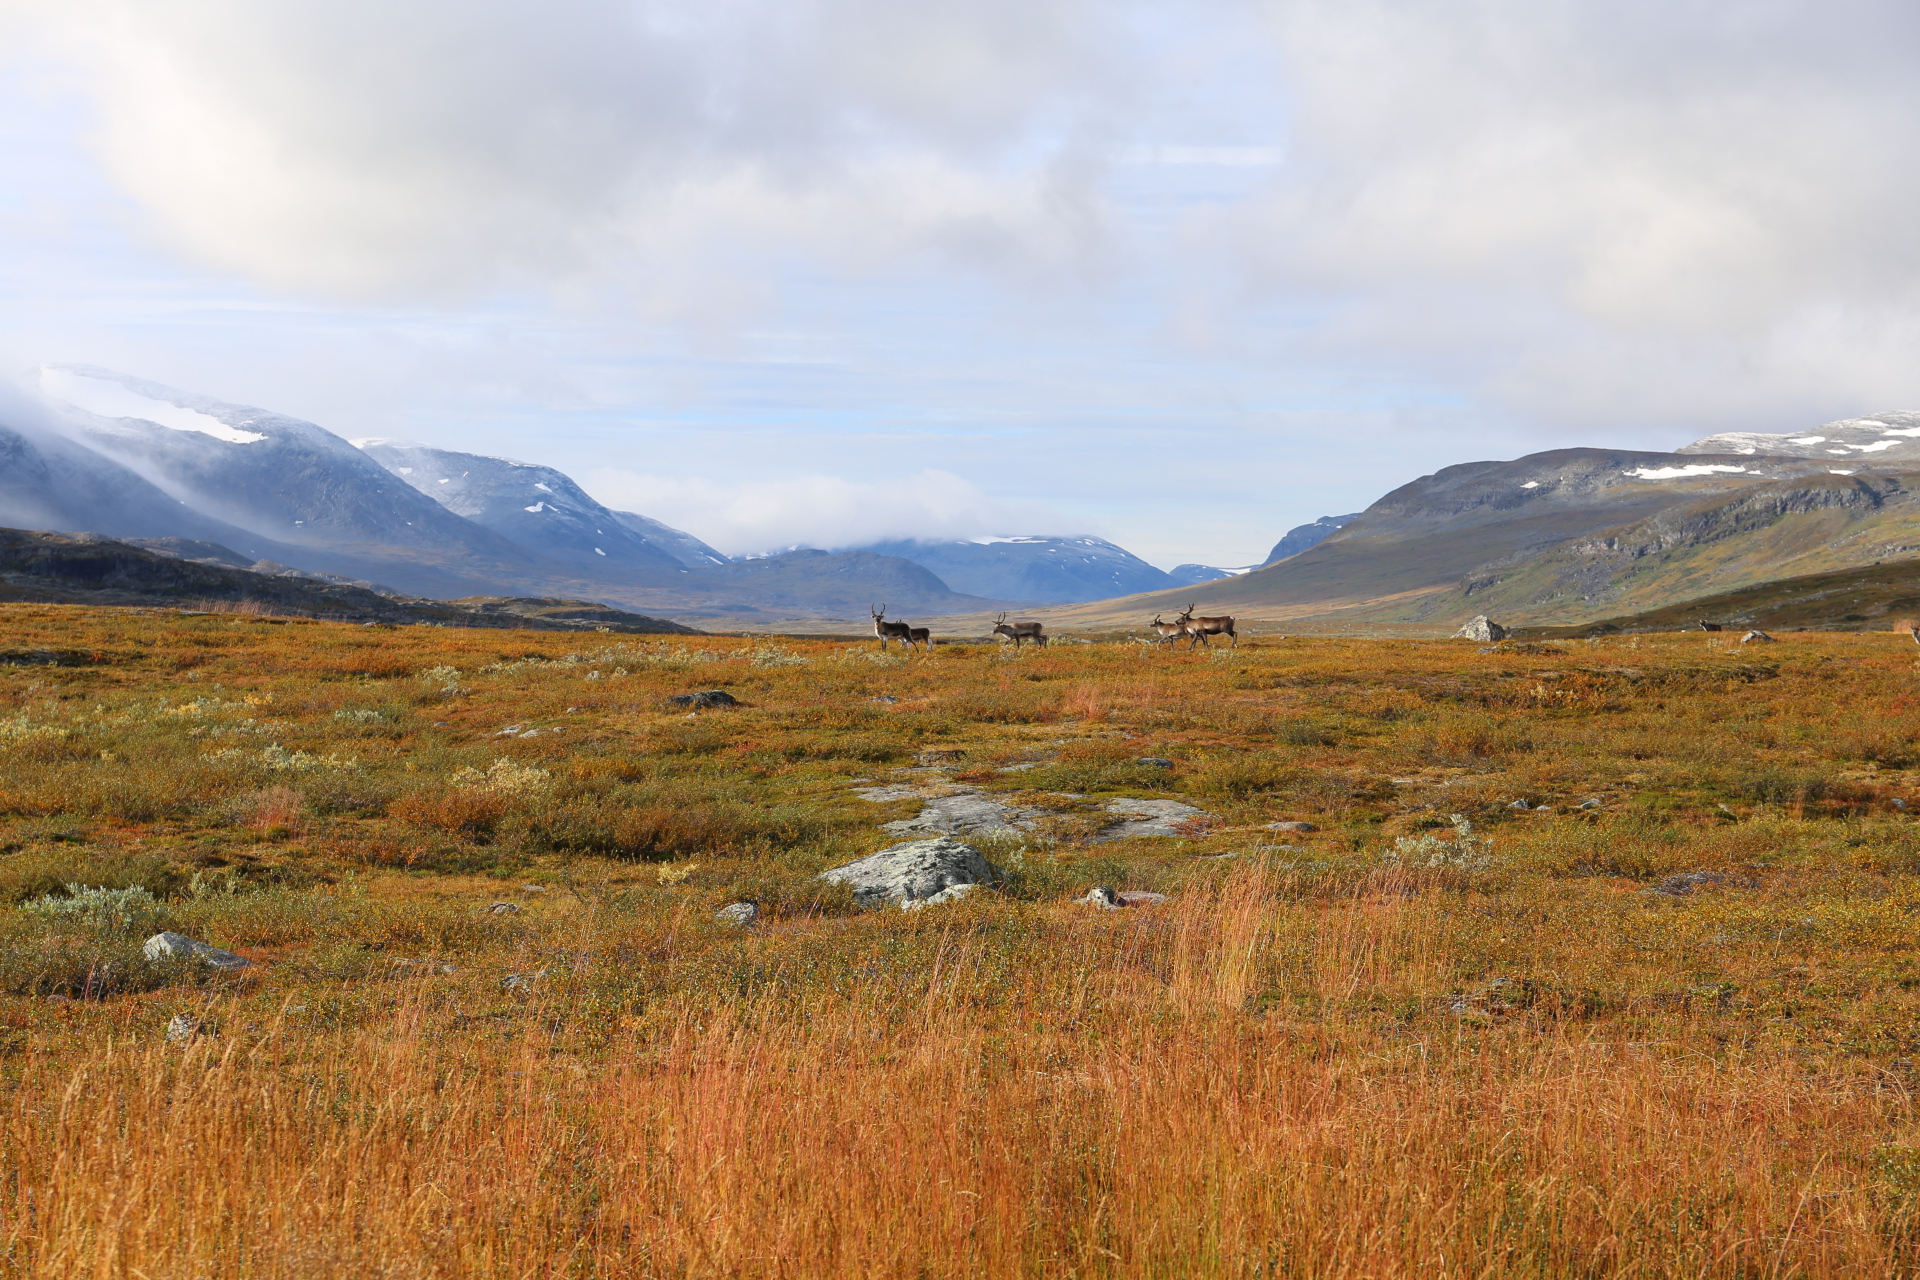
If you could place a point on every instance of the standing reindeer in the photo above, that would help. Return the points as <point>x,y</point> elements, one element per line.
<point>1019,631</point>
<point>1168,631</point>
<point>895,630</point>
<point>1201,628</point>
<point>920,635</point>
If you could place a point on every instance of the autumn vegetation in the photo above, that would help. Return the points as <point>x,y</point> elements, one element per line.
<point>1670,1033</point>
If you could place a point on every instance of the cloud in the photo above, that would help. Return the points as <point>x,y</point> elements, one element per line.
<point>818,511</point>
<point>442,148</point>
<point>1593,210</point>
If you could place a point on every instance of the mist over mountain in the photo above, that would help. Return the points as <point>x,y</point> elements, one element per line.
<point>1032,570</point>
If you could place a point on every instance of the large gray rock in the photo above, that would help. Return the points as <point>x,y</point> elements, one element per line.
<point>912,871</point>
<point>1483,629</point>
<point>178,946</point>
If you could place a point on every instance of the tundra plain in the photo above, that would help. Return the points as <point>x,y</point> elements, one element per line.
<point>1672,1032</point>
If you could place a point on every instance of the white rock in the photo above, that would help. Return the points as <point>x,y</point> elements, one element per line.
<point>1483,629</point>
<point>740,913</point>
<point>177,946</point>
<point>917,869</point>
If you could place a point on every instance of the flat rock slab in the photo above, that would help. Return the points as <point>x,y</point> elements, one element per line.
<point>913,871</point>
<point>1149,818</point>
<point>964,811</point>
<point>177,946</point>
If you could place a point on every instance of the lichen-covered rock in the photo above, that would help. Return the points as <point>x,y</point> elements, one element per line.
<point>912,871</point>
<point>1483,629</point>
<point>178,946</point>
<point>184,1027</point>
<point>704,698</point>
<point>738,913</point>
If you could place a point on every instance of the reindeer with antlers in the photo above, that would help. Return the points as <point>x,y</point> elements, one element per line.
<point>1018,631</point>
<point>1201,628</point>
<point>900,631</point>
<point>1168,631</point>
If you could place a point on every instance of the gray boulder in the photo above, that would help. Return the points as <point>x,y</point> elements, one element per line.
<point>177,946</point>
<point>966,812</point>
<point>738,913</point>
<point>1483,629</point>
<point>912,871</point>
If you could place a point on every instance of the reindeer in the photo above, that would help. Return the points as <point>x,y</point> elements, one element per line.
<point>891,630</point>
<point>1169,631</point>
<point>1019,631</point>
<point>920,635</point>
<point>1201,628</point>
<point>1711,626</point>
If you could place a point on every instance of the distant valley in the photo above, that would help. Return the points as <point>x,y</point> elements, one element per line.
<point>1555,539</point>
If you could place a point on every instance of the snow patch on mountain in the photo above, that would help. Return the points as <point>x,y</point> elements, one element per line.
<point>1691,469</point>
<point>111,399</point>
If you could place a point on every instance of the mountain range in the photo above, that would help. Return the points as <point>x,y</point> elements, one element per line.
<point>1560,538</point>
<point>1571,536</point>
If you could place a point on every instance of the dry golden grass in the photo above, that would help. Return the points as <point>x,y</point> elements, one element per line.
<point>1388,1048</point>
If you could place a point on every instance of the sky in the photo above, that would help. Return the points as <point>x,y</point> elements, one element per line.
<point>1182,274</point>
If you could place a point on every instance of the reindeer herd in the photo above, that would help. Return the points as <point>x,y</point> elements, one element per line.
<point>1197,630</point>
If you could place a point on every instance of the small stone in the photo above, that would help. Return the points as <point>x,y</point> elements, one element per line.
<point>941,756</point>
<point>522,984</point>
<point>885,698</point>
<point>1679,886</point>
<point>1592,802</point>
<point>533,888</point>
<point>1158,762</point>
<point>177,946</point>
<point>183,1027</point>
<point>1519,804</point>
<point>1100,896</point>
<point>1898,803</point>
<point>704,698</point>
<point>1140,898</point>
<point>504,909</point>
<point>1756,637</point>
<point>1291,826</point>
<point>738,913</point>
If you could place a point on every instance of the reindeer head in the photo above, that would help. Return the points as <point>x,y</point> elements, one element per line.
<point>877,615</point>
<point>1187,613</point>
<point>1155,622</point>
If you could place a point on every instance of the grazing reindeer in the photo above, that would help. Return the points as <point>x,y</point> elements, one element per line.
<point>891,630</point>
<point>1201,628</point>
<point>1169,631</point>
<point>1019,631</point>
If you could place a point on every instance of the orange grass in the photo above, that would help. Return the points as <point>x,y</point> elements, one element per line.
<point>1323,1057</point>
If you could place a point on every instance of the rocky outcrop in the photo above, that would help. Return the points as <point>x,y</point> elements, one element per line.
<point>913,871</point>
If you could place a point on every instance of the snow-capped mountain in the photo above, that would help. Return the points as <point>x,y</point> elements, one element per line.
<point>538,508</point>
<point>1893,436</point>
<point>1195,574</point>
<point>1032,570</point>
<point>274,476</point>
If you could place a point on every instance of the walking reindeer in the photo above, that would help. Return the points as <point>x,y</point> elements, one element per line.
<point>1018,631</point>
<point>907,635</point>
<point>1201,628</point>
<point>1168,631</point>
